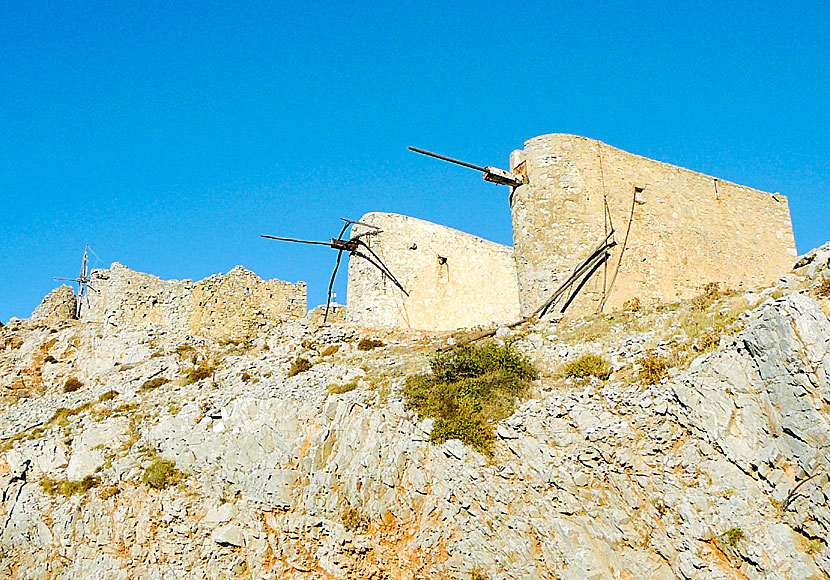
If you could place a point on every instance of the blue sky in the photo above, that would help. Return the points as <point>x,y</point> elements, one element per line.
<point>169,138</point>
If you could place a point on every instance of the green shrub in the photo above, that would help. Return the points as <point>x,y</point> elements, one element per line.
<point>71,385</point>
<point>369,344</point>
<point>336,389</point>
<point>162,473</point>
<point>108,396</point>
<point>588,365</point>
<point>733,535</point>
<point>653,368</point>
<point>197,374</point>
<point>300,365</point>
<point>468,390</point>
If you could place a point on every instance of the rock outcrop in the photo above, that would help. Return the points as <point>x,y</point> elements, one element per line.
<point>716,471</point>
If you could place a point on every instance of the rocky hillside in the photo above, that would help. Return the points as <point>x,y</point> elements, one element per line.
<point>694,445</point>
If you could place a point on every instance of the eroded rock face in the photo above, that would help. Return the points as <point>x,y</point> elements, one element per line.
<point>718,472</point>
<point>58,306</point>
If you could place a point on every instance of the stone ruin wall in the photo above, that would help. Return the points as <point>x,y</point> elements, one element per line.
<point>683,235</point>
<point>474,284</point>
<point>235,306</point>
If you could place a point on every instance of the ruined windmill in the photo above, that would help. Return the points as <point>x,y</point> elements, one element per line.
<point>83,282</point>
<point>583,271</point>
<point>356,246</point>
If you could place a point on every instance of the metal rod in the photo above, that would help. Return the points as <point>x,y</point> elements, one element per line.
<point>296,240</point>
<point>360,223</point>
<point>445,158</point>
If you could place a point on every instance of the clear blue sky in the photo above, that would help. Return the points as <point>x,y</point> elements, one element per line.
<point>169,138</point>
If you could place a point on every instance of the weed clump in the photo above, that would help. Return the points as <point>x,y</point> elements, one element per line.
<point>328,351</point>
<point>162,473</point>
<point>823,289</point>
<point>155,383</point>
<point>369,344</point>
<point>336,389</point>
<point>353,520</point>
<point>67,487</point>
<point>71,385</point>
<point>653,368</point>
<point>300,365</point>
<point>468,390</point>
<point>108,396</point>
<point>702,301</point>
<point>197,374</point>
<point>588,365</point>
<point>733,535</point>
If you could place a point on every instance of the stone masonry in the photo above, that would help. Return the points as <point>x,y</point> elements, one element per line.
<point>455,280</point>
<point>686,229</point>
<point>237,305</point>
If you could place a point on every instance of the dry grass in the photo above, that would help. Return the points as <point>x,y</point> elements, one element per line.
<point>588,365</point>
<point>71,385</point>
<point>369,344</point>
<point>162,473</point>
<point>300,365</point>
<point>336,389</point>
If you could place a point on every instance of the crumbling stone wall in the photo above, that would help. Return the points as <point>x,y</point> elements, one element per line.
<point>687,229</point>
<point>233,306</point>
<point>455,280</point>
<point>57,306</point>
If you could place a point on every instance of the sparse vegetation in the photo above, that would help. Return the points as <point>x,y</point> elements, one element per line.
<point>702,301</point>
<point>197,374</point>
<point>330,350</point>
<point>245,377</point>
<point>71,385</point>
<point>468,390</point>
<point>478,574</point>
<point>108,491</point>
<point>50,359</point>
<point>300,365</point>
<point>369,344</point>
<point>162,473</point>
<point>336,389</point>
<point>814,547</point>
<point>653,368</point>
<point>732,536</point>
<point>108,396</point>
<point>353,520</point>
<point>154,383</point>
<point>66,487</point>
<point>632,305</point>
<point>823,289</point>
<point>588,365</point>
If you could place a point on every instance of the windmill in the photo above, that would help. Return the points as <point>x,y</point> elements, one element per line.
<point>356,246</point>
<point>585,270</point>
<point>82,280</point>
